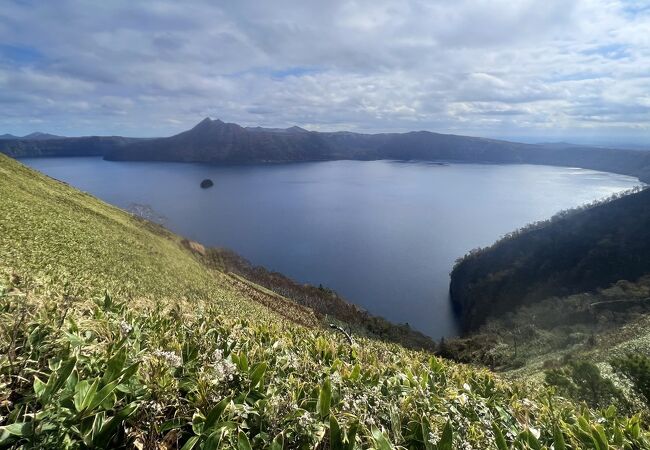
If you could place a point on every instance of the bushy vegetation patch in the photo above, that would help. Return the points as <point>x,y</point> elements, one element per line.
<point>107,373</point>
<point>636,367</point>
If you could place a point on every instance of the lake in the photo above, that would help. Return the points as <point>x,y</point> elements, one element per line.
<point>383,234</point>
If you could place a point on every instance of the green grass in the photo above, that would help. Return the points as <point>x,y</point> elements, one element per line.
<point>181,355</point>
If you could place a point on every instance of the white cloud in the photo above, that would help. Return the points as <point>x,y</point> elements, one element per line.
<point>494,68</point>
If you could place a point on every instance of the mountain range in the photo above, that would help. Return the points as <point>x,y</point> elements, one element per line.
<point>36,136</point>
<point>215,141</point>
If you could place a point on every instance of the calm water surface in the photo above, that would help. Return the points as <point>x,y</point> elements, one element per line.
<point>383,234</point>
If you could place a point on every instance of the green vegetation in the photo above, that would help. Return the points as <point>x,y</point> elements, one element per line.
<point>179,354</point>
<point>583,381</point>
<point>576,251</point>
<point>569,298</point>
<point>636,368</point>
<point>63,146</point>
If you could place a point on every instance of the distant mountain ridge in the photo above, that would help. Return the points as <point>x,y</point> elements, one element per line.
<point>37,136</point>
<point>218,142</point>
<point>62,146</point>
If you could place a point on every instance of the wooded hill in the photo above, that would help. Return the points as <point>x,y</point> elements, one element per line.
<point>576,251</point>
<point>214,141</point>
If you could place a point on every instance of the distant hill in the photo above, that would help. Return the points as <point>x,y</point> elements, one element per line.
<point>576,251</point>
<point>36,136</point>
<point>61,146</point>
<point>215,141</point>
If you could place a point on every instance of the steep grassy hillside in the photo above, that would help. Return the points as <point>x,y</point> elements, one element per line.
<point>114,334</point>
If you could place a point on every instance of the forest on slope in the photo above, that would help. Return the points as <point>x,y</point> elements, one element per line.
<point>576,251</point>
<point>217,142</point>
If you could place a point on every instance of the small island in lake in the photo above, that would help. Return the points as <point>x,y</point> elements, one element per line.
<point>207,183</point>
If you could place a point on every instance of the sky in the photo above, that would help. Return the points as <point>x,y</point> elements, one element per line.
<point>529,70</point>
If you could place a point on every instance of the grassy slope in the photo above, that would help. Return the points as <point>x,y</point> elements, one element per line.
<point>557,330</point>
<point>58,237</point>
<point>212,367</point>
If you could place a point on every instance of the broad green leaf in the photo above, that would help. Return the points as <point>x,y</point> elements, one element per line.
<point>198,422</point>
<point>114,367</point>
<point>213,440</point>
<point>98,423</point>
<point>102,394</point>
<point>584,424</point>
<point>242,442</point>
<point>435,365</point>
<point>380,439</point>
<point>324,399</point>
<point>618,435</point>
<point>84,392</point>
<point>58,378</point>
<point>356,372</point>
<point>109,428</point>
<point>527,437</point>
<point>278,443</point>
<point>39,387</point>
<point>336,440</point>
<point>172,424</point>
<point>215,413</point>
<point>587,439</point>
<point>258,374</point>
<point>426,429</point>
<point>191,443</point>
<point>600,437</point>
<point>20,429</point>
<point>242,362</point>
<point>498,438</point>
<point>108,302</point>
<point>129,372</point>
<point>447,438</point>
<point>558,438</point>
<point>351,436</point>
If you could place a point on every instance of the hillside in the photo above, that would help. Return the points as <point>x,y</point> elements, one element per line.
<point>114,334</point>
<point>565,301</point>
<point>37,136</point>
<point>576,251</point>
<point>214,141</point>
<point>62,146</point>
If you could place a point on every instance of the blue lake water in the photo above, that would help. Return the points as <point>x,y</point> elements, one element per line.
<point>383,234</point>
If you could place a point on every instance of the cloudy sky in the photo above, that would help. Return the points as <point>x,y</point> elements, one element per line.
<point>537,70</point>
